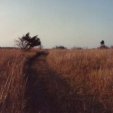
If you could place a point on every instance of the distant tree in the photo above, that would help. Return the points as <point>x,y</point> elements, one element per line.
<point>60,47</point>
<point>102,45</point>
<point>27,42</point>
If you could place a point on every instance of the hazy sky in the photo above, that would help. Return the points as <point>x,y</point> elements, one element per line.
<point>57,22</point>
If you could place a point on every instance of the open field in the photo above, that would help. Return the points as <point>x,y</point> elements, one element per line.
<point>90,76</point>
<point>57,81</point>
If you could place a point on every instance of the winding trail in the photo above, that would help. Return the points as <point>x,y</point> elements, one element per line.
<point>47,91</point>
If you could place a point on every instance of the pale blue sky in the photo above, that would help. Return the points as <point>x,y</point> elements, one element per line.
<point>57,22</point>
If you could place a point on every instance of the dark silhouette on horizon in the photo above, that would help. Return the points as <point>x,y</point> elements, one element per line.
<point>27,42</point>
<point>102,45</point>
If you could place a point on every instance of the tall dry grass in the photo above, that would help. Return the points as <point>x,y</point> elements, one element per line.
<point>84,83</point>
<point>12,84</point>
<point>89,74</point>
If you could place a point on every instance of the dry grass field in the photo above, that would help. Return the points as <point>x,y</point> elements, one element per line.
<point>90,76</point>
<point>60,81</point>
<point>12,84</point>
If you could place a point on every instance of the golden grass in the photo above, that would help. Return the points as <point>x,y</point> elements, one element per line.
<point>89,74</point>
<point>12,84</point>
<point>13,70</point>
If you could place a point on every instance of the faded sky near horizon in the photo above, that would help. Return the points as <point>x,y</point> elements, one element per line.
<point>82,23</point>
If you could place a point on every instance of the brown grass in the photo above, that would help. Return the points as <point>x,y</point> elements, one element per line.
<point>12,82</point>
<point>88,74</point>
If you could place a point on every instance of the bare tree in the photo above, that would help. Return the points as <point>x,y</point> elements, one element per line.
<point>27,42</point>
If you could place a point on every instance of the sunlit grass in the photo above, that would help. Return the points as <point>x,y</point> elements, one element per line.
<point>89,73</point>
<point>12,84</point>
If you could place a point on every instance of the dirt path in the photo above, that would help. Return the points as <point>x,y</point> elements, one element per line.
<point>47,91</point>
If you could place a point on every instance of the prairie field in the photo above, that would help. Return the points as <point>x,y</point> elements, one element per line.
<point>56,81</point>
<point>89,74</point>
<point>12,84</point>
